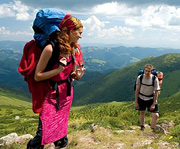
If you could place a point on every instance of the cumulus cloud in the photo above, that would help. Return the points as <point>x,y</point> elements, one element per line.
<point>157,16</point>
<point>21,11</point>
<point>96,29</point>
<point>105,20</point>
<point>6,11</point>
<point>15,9</point>
<point>117,32</point>
<point>78,5</point>
<point>92,25</point>
<point>4,33</point>
<point>115,9</point>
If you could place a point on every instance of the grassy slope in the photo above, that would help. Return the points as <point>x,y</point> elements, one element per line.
<point>118,85</point>
<point>9,98</point>
<point>12,105</point>
<point>113,115</point>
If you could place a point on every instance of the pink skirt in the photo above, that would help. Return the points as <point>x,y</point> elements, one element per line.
<point>54,120</point>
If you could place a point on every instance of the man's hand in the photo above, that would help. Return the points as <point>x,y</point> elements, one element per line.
<point>152,107</point>
<point>136,106</point>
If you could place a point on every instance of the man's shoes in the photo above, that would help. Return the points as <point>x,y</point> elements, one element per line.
<point>142,128</point>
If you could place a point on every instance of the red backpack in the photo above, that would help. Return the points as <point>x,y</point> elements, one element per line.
<point>29,60</point>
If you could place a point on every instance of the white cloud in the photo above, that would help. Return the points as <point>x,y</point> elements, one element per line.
<point>92,26</point>
<point>6,11</point>
<point>132,22</point>
<point>111,22</point>
<point>21,10</point>
<point>3,31</point>
<point>94,29</point>
<point>22,16</point>
<point>15,9</point>
<point>6,34</point>
<point>117,32</point>
<point>116,9</point>
<point>157,16</point>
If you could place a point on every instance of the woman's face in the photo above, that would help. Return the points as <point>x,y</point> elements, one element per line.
<point>75,35</point>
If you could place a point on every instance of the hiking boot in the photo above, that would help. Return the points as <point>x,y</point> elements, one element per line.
<point>142,128</point>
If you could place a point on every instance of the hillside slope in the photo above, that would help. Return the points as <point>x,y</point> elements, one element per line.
<point>115,125</point>
<point>118,85</point>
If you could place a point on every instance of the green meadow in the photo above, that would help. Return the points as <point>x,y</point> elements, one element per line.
<point>110,116</point>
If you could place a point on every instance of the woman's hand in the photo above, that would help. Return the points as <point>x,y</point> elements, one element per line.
<point>62,64</point>
<point>79,72</point>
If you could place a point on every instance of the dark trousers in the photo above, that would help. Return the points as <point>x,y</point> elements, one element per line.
<point>35,143</point>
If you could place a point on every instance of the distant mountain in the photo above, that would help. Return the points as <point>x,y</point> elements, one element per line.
<point>97,58</point>
<point>118,85</point>
<point>98,61</point>
<point>105,59</point>
<point>12,45</point>
<point>9,76</point>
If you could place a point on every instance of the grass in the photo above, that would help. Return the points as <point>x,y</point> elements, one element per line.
<point>110,116</point>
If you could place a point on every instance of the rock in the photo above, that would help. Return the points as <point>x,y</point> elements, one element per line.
<point>14,138</point>
<point>22,139</point>
<point>141,143</point>
<point>8,140</point>
<point>147,126</point>
<point>120,131</point>
<point>120,145</point>
<point>166,125</point>
<point>128,131</point>
<point>161,143</point>
<point>17,117</point>
<point>158,128</point>
<point>50,146</point>
<point>92,127</point>
<point>171,124</point>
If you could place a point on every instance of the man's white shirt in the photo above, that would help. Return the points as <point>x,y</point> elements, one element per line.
<point>147,90</point>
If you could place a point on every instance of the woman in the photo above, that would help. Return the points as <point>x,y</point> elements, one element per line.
<point>53,119</point>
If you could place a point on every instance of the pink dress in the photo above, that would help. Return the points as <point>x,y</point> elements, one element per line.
<point>54,120</point>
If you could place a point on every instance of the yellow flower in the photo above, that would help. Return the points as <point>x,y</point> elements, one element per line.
<point>170,137</point>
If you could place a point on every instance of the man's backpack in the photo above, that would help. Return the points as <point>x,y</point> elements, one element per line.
<point>45,23</point>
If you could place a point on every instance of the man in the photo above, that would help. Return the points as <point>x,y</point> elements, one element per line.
<point>146,95</point>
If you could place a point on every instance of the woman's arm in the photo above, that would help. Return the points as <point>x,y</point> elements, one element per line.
<point>43,61</point>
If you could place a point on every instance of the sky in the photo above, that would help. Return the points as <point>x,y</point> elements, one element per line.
<point>144,23</point>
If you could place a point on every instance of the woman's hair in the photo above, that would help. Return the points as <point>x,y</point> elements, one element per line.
<point>67,24</point>
<point>149,66</point>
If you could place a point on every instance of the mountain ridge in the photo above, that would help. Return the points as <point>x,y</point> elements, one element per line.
<point>118,85</point>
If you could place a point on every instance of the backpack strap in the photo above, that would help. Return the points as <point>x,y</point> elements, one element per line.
<point>141,77</point>
<point>55,55</point>
<point>153,80</point>
<point>152,95</point>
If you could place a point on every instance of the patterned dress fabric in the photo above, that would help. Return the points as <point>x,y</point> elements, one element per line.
<point>54,120</point>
